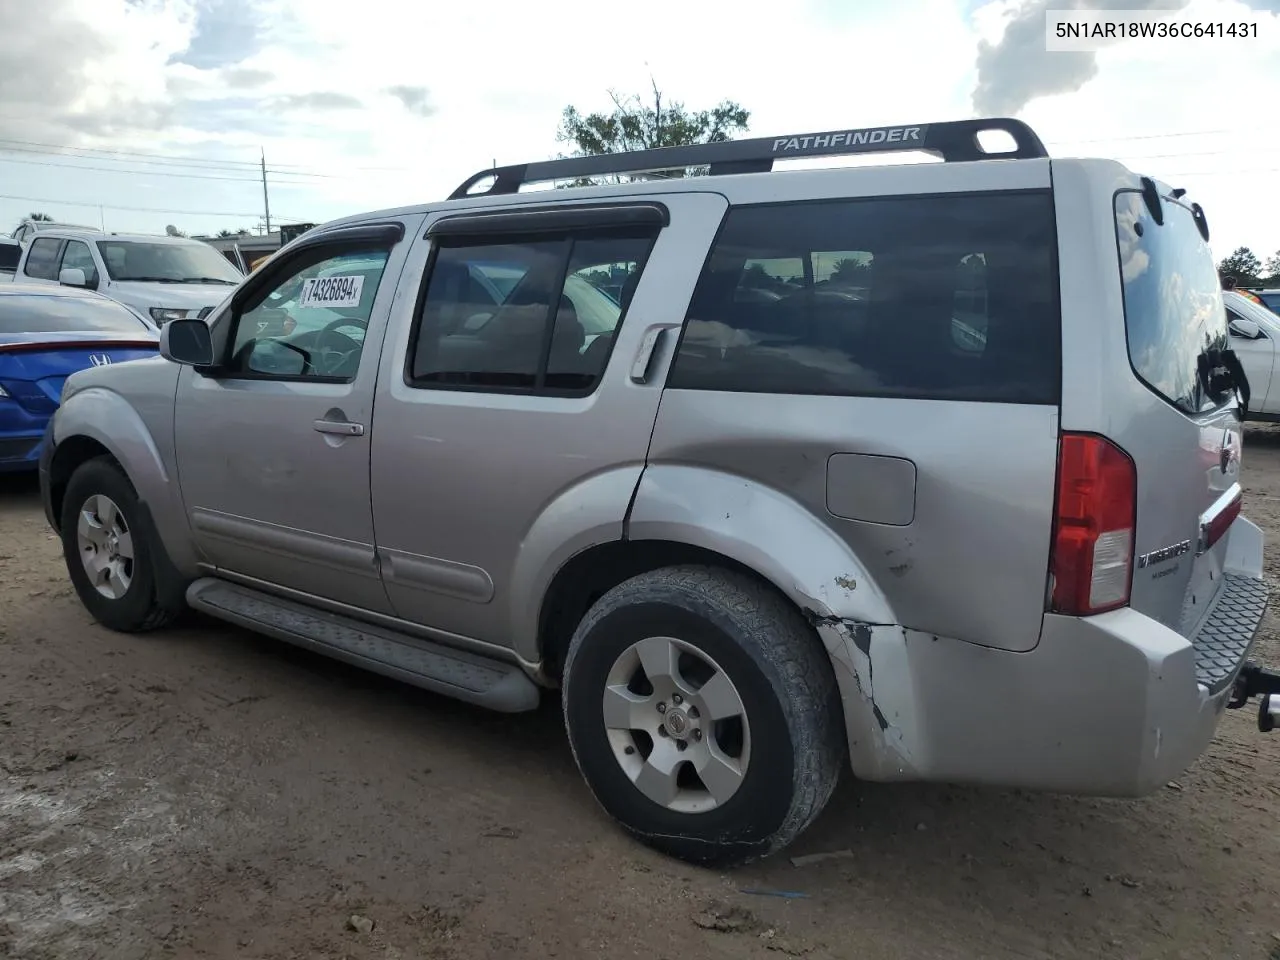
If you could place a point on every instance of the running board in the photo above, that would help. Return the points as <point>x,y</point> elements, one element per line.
<point>454,673</point>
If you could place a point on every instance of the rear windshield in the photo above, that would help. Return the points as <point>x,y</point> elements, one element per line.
<point>35,314</point>
<point>944,297</point>
<point>10,254</point>
<point>1174,318</point>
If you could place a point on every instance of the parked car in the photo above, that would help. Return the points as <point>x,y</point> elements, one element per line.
<point>1270,299</point>
<point>973,517</point>
<point>10,254</point>
<point>27,229</point>
<point>46,334</point>
<point>163,278</point>
<point>1255,331</point>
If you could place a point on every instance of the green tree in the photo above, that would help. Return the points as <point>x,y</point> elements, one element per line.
<point>1273,266</point>
<point>43,217</point>
<point>850,272</point>
<point>1243,265</point>
<point>638,124</point>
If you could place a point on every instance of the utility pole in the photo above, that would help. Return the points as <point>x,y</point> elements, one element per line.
<point>266,204</point>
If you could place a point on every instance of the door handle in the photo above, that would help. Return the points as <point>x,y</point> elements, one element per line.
<point>342,428</point>
<point>649,344</point>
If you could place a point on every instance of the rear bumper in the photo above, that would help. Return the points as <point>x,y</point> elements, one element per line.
<point>1112,705</point>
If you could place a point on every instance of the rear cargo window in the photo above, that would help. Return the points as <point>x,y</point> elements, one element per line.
<point>1175,321</point>
<point>944,297</point>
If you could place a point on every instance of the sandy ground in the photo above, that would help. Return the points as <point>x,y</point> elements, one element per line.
<point>208,793</point>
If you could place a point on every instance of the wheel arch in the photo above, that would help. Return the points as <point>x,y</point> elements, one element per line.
<point>97,422</point>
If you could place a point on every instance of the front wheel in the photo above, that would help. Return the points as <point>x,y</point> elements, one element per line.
<point>703,714</point>
<point>108,550</point>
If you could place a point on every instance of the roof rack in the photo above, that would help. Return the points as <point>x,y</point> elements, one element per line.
<point>954,141</point>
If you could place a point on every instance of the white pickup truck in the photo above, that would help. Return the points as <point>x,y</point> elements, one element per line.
<point>1255,334</point>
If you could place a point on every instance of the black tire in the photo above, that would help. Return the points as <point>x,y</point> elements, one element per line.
<point>139,609</point>
<point>787,689</point>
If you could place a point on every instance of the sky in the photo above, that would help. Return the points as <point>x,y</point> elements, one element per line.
<point>138,114</point>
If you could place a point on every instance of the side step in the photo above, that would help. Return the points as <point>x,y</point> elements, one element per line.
<point>455,673</point>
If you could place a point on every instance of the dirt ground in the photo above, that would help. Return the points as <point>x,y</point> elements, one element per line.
<point>208,793</point>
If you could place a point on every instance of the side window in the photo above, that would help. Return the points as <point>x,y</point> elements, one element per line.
<point>42,261</point>
<point>880,297</point>
<point>311,322</point>
<point>527,314</point>
<point>78,257</point>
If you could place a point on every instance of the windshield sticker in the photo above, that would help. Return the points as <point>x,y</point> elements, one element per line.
<point>332,292</point>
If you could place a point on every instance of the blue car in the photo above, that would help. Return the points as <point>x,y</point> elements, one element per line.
<point>46,334</point>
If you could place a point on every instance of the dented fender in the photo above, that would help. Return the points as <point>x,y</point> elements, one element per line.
<point>781,540</point>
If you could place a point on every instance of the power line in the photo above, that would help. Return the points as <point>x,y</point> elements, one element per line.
<point>151,173</point>
<point>102,153</point>
<point>256,214</point>
<point>13,146</point>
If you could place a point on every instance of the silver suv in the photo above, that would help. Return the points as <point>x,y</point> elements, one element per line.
<point>929,470</point>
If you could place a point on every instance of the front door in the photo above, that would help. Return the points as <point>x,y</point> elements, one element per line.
<point>515,409</point>
<point>273,447</point>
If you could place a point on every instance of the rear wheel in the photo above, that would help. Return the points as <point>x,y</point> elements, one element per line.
<point>108,549</point>
<point>703,713</point>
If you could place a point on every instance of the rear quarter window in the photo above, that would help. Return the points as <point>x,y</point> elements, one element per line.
<point>10,254</point>
<point>1175,320</point>
<point>941,297</point>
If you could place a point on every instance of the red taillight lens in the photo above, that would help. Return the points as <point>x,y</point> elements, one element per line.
<point>1092,561</point>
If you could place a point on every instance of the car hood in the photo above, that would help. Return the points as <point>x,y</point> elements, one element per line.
<point>174,296</point>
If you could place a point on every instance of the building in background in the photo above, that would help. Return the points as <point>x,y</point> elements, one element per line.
<point>248,250</point>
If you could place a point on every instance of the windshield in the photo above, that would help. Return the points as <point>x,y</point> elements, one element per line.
<point>36,314</point>
<point>1174,316</point>
<point>166,262</point>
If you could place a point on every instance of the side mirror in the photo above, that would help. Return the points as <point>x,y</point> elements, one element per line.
<point>72,277</point>
<point>1248,329</point>
<point>187,341</point>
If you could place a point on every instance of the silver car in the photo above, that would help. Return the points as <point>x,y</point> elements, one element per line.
<point>931,472</point>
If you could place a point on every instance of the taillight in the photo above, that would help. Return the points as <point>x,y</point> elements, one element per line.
<point>1091,565</point>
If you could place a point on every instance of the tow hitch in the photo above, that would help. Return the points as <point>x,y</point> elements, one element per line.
<point>1254,681</point>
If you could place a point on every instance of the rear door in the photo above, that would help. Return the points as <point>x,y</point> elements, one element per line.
<point>1184,435</point>
<point>512,419</point>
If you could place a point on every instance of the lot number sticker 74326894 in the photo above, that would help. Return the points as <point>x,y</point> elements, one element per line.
<point>332,291</point>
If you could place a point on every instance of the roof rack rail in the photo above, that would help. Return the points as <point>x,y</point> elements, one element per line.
<point>954,141</point>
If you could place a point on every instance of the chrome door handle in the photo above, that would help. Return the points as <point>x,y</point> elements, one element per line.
<point>342,428</point>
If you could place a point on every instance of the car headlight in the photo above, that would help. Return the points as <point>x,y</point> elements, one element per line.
<point>165,314</point>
